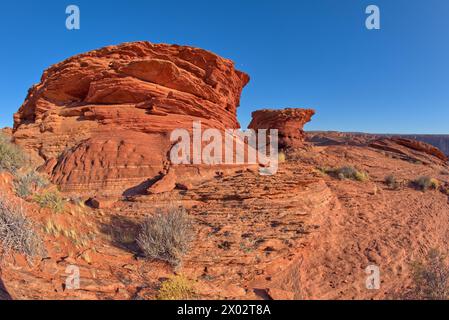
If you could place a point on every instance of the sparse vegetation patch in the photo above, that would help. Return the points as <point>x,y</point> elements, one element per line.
<point>50,199</point>
<point>430,278</point>
<point>392,182</point>
<point>17,233</point>
<point>12,157</point>
<point>426,183</point>
<point>177,288</point>
<point>27,184</point>
<point>346,172</point>
<point>166,236</point>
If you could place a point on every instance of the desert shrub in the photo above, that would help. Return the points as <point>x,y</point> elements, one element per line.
<point>50,199</point>
<point>322,170</point>
<point>425,183</point>
<point>282,157</point>
<point>12,157</point>
<point>391,182</point>
<point>26,184</point>
<point>347,172</point>
<point>17,232</point>
<point>166,236</point>
<point>430,278</point>
<point>177,288</point>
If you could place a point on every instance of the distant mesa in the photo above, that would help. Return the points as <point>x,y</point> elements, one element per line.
<point>423,148</point>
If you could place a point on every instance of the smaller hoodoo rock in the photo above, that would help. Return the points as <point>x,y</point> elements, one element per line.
<point>289,122</point>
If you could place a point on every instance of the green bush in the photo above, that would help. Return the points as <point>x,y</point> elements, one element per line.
<point>12,157</point>
<point>50,199</point>
<point>27,184</point>
<point>425,183</point>
<point>166,236</point>
<point>17,233</point>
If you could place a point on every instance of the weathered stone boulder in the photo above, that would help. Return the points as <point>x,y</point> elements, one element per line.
<point>102,120</point>
<point>289,122</point>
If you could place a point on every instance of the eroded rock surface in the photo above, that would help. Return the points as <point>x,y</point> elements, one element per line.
<point>102,120</point>
<point>289,122</point>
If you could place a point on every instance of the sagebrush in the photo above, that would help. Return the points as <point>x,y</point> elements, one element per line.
<point>17,233</point>
<point>430,278</point>
<point>12,158</point>
<point>166,236</point>
<point>392,182</point>
<point>425,183</point>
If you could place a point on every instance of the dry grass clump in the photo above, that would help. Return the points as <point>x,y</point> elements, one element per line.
<point>50,199</point>
<point>17,233</point>
<point>12,158</point>
<point>282,157</point>
<point>430,278</point>
<point>166,236</point>
<point>425,183</point>
<point>27,184</point>
<point>346,172</point>
<point>177,288</point>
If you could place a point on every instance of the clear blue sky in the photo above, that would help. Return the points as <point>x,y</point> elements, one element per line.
<point>314,53</point>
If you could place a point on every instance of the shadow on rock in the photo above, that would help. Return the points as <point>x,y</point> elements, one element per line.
<point>4,295</point>
<point>123,233</point>
<point>141,188</point>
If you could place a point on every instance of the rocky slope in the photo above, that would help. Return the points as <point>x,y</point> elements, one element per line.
<point>298,234</point>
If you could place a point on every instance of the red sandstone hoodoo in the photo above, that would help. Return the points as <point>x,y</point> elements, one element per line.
<point>289,122</point>
<point>102,120</point>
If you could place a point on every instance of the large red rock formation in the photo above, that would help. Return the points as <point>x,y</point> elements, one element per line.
<point>102,120</point>
<point>289,122</point>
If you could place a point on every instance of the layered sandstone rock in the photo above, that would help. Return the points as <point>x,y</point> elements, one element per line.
<point>410,149</point>
<point>289,122</point>
<point>421,147</point>
<point>102,120</point>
